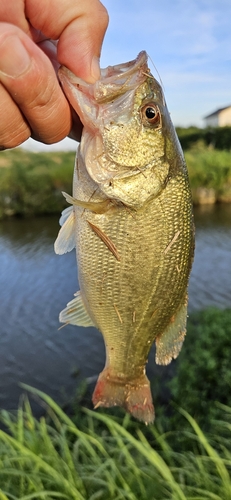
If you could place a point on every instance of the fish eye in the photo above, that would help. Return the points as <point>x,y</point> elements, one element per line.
<point>151,113</point>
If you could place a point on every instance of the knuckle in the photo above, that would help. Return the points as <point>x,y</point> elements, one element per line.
<point>14,128</point>
<point>50,123</point>
<point>42,94</point>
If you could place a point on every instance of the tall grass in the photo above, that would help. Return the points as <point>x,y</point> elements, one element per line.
<point>32,183</point>
<point>103,457</point>
<point>209,168</point>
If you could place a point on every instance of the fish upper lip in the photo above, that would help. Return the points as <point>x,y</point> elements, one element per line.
<point>110,74</point>
<point>125,68</point>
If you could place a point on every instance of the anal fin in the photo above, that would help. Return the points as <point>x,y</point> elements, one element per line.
<point>169,343</point>
<point>75,313</point>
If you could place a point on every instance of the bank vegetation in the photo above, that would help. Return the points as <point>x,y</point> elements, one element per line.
<point>31,183</point>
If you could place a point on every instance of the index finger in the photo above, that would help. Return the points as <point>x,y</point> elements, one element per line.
<point>79,25</point>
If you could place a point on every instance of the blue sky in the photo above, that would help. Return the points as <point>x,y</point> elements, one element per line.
<point>189,42</point>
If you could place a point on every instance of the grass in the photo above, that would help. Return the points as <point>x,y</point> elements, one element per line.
<point>31,183</point>
<point>211,169</point>
<point>97,456</point>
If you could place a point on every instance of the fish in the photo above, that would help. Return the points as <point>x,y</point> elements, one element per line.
<point>131,221</point>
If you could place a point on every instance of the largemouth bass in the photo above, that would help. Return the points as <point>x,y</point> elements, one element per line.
<point>131,222</point>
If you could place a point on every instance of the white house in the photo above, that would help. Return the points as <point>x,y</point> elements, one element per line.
<point>219,118</point>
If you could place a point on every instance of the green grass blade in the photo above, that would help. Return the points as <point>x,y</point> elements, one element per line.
<point>3,496</point>
<point>41,464</point>
<point>86,438</point>
<point>44,494</point>
<point>51,403</point>
<point>145,449</point>
<point>212,453</point>
<point>204,495</point>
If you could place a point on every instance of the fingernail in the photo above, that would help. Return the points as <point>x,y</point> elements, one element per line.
<point>14,58</point>
<point>95,69</point>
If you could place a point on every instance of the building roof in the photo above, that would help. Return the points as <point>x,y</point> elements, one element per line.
<point>217,112</point>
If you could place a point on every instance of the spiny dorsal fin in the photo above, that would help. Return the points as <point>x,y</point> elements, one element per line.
<point>65,241</point>
<point>75,313</point>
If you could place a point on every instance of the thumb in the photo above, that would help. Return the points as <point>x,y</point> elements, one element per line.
<point>79,26</point>
<point>80,44</point>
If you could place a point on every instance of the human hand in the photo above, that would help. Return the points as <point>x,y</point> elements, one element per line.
<point>32,103</point>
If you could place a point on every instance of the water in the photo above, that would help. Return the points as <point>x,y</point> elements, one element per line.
<point>210,282</point>
<point>36,284</point>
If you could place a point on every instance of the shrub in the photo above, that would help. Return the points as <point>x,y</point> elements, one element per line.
<point>203,369</point>
<point>31,183</point>
<point>216,137</point>
<point>208,168</point>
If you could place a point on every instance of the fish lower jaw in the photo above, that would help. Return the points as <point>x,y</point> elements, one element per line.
<point>133,395</point>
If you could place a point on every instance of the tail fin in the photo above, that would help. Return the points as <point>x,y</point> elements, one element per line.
<point>133,395</point>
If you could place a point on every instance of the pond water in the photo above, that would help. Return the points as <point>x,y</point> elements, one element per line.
<point>36,284</point>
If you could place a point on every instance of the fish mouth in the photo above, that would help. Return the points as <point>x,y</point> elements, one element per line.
<point>114,80</point>
<point>125,69</point>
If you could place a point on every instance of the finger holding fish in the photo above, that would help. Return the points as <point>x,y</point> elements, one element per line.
<point>35,38</point>
<point>31,108</point>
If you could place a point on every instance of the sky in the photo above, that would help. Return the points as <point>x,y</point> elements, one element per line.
<point>189,44</point>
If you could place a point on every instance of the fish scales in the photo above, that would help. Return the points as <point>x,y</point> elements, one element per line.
<point>134,287</point>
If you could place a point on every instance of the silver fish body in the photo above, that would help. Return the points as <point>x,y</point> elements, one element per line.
<point>131,222</point>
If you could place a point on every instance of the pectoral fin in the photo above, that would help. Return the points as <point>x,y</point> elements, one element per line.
<point>98,207</point>
<point>169,343</point>
<point>75,313</point>
<point>65,214</point>
<point>65,241</point>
